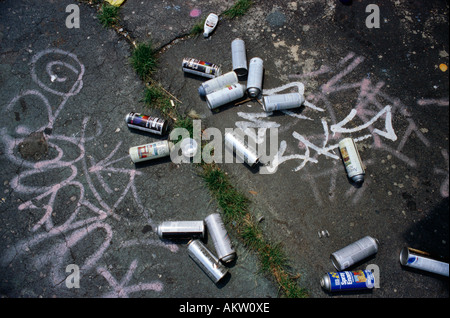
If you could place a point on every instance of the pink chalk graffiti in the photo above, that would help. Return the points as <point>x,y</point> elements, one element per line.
<point>371,117</point>
<point>78,226</point>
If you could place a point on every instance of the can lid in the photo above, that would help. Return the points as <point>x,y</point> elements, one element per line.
<point>404,256</point>
<point>201,91</point>
<point>189,147</point>
<point>358,178</point>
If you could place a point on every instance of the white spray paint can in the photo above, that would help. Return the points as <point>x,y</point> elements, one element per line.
<point>217,83</point>
<point>241,149</point>
<point>150,151</point>
<point>352,160</point>
<point>283,101</point>
<point>239,57</point>
<point>421,260</point>
<point>255,77</point>
<point>210,24</point>
<point>355,252</point>
<point>220,238</point>
<point>225,95</point>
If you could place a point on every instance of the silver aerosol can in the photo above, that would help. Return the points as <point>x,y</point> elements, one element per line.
<point>352,160</point>
<point>201,68</point>
<point>150,151</point>
<point>242,151</point>
<point>206,260</point>
<point>422,260</point>
<point>181,229</point>
<point>146,123</point>
<point>283,101</point>
<point>255,77</point>
<point>354,253</point>
<point>220,238</point>
<point>217,83</point>
<point>239,57</point>
<point>225,95</point>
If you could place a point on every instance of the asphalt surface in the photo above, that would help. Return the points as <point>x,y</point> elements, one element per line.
<point>71,195</point>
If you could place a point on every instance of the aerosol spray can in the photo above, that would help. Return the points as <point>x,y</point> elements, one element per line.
<point>354,253</point>
<point>150,151</point>
<point>225,95</point>
<point>422,260</point>
<point>210,24</point>
<point>349,280</point>
<point>283,101</point>
<point>217,83</point>
<point>181,229</point>
<point>220,237</point>
<point>352,160</point>
<point>239,57</point>
<point>241,150</point>
<point>206,260</point>
<point>201,68</point>
<point>146,123</point>
<point>255,77</point>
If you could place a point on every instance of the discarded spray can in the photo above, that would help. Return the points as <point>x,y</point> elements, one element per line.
<point>150,151</point>
<point>146,123</point>
<point>283,101</point>
<point>202,68</point>
<point>206,260</point>
<point>255,77</point>
<point>352,160</point>
<point>422,260</point>
<point>349,280</point>
<point>217,83</point>
<point>354,253</point>
<point>241,150</point>
<point>239,57</point>
<point>181,229</point>
<point>210,24</point>
<point>220,237</point>
<point>225,95</point>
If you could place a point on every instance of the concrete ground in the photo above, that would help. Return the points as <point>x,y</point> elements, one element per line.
<point>71,195</point>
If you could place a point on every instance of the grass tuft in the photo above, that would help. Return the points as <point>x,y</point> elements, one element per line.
<point>144,60</point>
<point>238,9</point>
<point>108,15</point>
<point>235,207</point>
<point>197,29</point>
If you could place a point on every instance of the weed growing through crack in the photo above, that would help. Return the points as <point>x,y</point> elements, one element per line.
<point>236,214</point>
<point>144,60</point>
<point>197,29</point>
<point>108,15</point>
<point>238,9</point>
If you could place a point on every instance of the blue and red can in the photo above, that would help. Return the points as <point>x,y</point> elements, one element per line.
<point>348,280</point>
